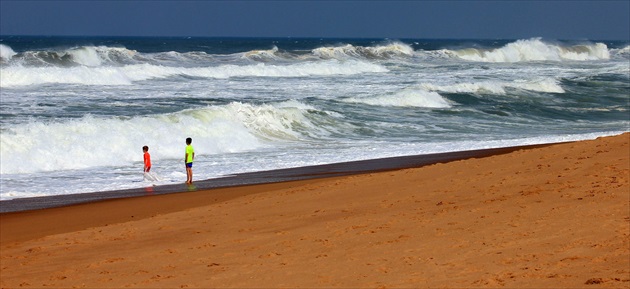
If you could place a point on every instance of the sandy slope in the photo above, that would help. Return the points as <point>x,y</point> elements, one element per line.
<point>556,217</point>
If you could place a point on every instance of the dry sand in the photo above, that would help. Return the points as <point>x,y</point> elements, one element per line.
<point>551,217</point>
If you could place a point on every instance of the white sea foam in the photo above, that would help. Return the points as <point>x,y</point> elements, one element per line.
<point>23,76</point>
<point>125,75</point>
<point>94,141</point>
<point>477,87</point>
<point>327,68</point>
<point>622,52</point>
<point>497,87</point>
<point>405,98</point>
<point>534,50</point>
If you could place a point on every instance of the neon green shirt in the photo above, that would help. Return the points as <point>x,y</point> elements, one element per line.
<point>190,152</point>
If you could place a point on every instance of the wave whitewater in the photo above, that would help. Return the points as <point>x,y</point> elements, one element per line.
<point>103,55</point>
<point>497,87</point>
<point>406,98</point>
<point>76,111</point>
<point>102,65</point>
<point>126,75</point>
<point>533,50</point>
<point>519,51</point>
<point>234,127</point>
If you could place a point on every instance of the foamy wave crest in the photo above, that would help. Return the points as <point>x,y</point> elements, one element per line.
<point>545,85</point>
<point>534,50</point>
<point>622,52</point>
<point>91,56</point>
<point>406,98</point>
<point>262,55</point>
<point>497,87</point>
<point>6,53</point>
<point>94,142</point>
<point>284,121</point>
<point>378,52</point>
<point>87,56</point>
<point>125,75</point>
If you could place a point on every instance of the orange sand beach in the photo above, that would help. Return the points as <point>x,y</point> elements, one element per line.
<point>550,217</point>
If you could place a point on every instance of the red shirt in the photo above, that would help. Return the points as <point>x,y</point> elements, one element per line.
<point>147,160</point>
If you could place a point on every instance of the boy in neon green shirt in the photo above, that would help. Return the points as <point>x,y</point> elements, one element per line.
<point>188,160</point>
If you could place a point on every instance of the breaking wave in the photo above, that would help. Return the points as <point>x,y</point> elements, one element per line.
<point>103,65</point>
<point>533,50</point>
<point>90,56</point>
<point>262,55</point>
<point>79,143</point>
<point>6,53</point>
<point>341,52</point>
<point>405,98</point>
<point>377,52</point>
<point>94,56</point>
<point>111,75</point>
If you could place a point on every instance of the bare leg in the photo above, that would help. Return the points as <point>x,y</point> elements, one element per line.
<point>188,175</point>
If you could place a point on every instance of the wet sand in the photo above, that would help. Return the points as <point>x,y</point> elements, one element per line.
<point>547,217</point>
<point>256,178</point>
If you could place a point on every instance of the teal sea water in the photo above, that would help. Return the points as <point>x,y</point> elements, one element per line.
<point>75,112</point>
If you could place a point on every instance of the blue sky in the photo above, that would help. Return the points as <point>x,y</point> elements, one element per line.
<point>508,19</point>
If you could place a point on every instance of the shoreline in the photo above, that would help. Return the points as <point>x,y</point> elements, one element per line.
<point>132,204</point>
<point>552,216</point>
<point>258,178</point>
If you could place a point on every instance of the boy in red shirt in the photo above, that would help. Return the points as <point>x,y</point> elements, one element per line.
<point>147,159</point>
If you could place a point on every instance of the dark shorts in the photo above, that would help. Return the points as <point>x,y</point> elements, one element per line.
<point>189,165</point>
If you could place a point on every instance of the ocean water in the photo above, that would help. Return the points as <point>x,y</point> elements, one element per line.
<point>75,112</point>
